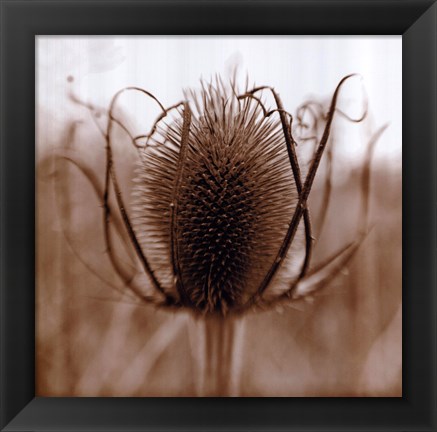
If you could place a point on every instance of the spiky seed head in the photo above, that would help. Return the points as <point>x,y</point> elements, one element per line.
<point>234,204</point>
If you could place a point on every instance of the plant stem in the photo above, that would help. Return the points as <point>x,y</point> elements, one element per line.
<point>217,346</point>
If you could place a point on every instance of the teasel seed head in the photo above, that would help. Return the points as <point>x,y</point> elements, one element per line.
<point>235,199</point>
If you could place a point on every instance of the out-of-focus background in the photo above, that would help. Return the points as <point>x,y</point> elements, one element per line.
<point>93,339</point>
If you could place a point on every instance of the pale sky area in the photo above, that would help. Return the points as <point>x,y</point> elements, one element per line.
<point>296,66</point>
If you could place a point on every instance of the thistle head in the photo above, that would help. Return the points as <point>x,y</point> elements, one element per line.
<point>219,214</point>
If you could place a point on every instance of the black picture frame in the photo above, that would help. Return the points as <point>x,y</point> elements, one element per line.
<point>21,21</point>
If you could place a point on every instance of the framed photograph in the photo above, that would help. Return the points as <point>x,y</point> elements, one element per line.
<point>218,216</point>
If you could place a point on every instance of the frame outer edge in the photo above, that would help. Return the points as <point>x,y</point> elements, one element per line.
<point>5,411</point>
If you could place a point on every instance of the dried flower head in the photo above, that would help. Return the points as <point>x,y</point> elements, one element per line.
<point>220,220</point>
<point>232,194</point>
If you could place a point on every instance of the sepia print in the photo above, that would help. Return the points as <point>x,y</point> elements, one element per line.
<point>218,216</point>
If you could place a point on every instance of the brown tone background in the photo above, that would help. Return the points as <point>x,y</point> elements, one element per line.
<point>93,341</point>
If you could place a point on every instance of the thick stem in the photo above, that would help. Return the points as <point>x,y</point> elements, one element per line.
<point>217,347</point>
